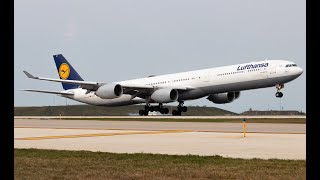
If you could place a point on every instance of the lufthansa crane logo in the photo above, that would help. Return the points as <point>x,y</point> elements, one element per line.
<point>64,71</point>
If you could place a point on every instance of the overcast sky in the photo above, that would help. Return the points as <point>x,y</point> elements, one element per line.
<point>119,40</point>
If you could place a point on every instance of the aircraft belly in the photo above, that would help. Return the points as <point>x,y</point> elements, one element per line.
<point>282,79</point>
<point>246,85</point>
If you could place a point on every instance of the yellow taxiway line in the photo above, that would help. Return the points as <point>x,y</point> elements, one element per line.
<point>99,134</point>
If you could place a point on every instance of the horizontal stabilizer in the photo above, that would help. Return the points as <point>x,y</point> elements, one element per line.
<point>50,92</point>
<point>81,83</point>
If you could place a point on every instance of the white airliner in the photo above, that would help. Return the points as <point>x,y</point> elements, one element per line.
<point>220,85</point>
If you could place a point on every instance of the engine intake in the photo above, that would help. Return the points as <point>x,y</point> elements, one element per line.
<point>109,91</point>
<point>165,95</point>
<point>236,95</point>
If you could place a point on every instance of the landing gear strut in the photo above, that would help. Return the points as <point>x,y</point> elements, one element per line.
<point>180,109</point>
<point>278,93</point>
<point>148,108</point>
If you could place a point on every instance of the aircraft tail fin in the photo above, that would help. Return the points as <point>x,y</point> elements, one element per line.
<point>66,71</point>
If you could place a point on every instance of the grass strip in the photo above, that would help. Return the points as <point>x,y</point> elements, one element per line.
<point>54,164</point>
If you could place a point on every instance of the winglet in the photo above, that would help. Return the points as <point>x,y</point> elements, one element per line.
<point>30,75</point>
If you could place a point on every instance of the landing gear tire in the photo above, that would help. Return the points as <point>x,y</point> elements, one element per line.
<point>184,109</point>
<point>141,112</point>
<point>279,94</point>
<point>176,113</point>
<point>151,109</point>
<point>180,109</point>
<point>148,108</point>
<point>164,110</point>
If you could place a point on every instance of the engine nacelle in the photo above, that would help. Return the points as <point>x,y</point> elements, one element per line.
<point>165,95</point>
<point>109,91</point>
<point>222,98</point>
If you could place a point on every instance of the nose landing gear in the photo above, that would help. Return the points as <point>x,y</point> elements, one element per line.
<point>278,93</point>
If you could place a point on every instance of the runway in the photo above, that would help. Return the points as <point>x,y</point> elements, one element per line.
<point>163,117</point>
<point>266,141</point>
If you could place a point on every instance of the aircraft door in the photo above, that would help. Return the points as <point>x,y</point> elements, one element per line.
<point>272,70</point>
<point>206,76</point>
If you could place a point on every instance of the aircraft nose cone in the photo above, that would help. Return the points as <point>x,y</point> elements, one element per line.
<point>299,70</point>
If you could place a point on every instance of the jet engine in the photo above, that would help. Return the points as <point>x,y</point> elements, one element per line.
<point>109,91</point>
<point>165,95</point>
<point>222,98</point>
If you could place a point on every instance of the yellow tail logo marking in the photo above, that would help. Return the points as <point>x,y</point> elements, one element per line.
<point>64,71</point>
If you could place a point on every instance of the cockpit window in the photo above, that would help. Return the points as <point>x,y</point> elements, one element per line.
<point>289,65</point>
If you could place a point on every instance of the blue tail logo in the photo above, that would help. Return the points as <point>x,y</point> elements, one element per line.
<point>66,71</point>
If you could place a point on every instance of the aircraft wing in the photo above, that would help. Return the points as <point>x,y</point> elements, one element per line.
<point>150,87</point>
<point>51,92</point>
<point>139,90</point>
<point>83,84</point>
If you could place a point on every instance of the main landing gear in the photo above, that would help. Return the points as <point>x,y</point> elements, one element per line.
<point>180,109</point>
<point>148,108</point>
<point>278,93</point>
